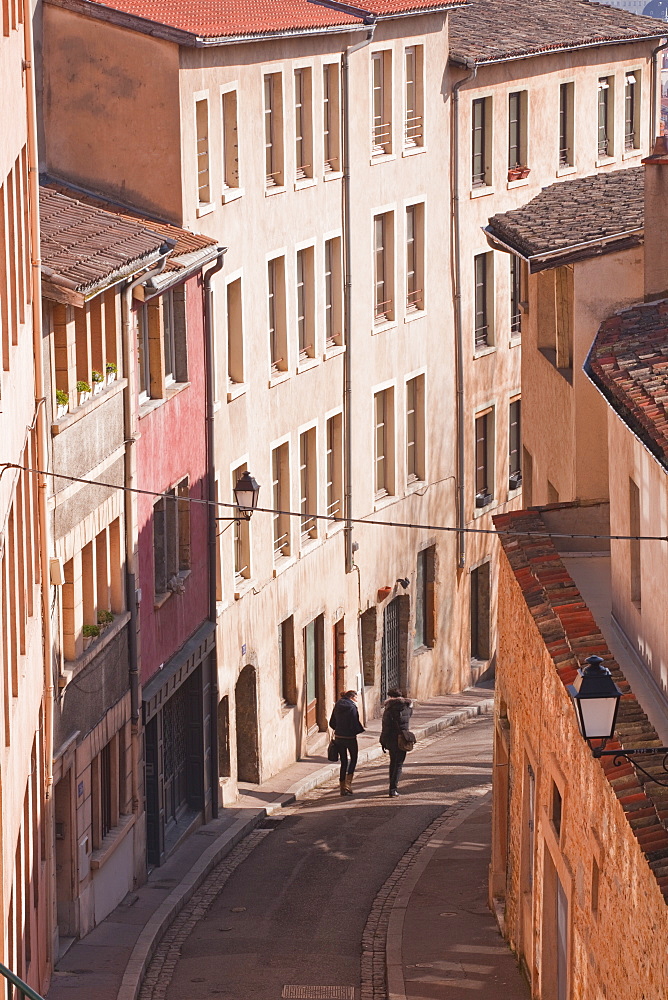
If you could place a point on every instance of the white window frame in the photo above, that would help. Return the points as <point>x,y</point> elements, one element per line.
<point>331,112</point>
<point>306,300</point>
<point>303,120</point>
<point>387,487</point>
<point>282,501</point>
<point>381,103</point>
<point>204,199</point>
<point>413,118</point>
<point>332,294</point>
<point>334,472</point>
<point>385,276</point>
<point>241,533</point>
<point>235,386</point>
<point>231,190</point>
<point>273,130</point>
<point>418,474</point>
<point>418,306</point>
<point>309,527</point>
<point>278,366</point>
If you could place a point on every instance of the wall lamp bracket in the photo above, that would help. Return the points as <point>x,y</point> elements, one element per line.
<point>631,755</point>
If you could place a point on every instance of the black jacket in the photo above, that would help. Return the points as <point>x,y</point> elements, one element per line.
<point>396,717</point>
<point>345,719</point>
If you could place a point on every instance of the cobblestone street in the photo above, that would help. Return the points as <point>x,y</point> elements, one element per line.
<point>308,900</point>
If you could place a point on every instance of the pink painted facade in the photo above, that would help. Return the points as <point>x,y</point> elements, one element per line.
<point>172,446</point>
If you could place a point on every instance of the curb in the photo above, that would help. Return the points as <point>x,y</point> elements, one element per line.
<point>155,927</point>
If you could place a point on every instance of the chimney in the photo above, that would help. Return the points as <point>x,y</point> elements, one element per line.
<point>656,221</point>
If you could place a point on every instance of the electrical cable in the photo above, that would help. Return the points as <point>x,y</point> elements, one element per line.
<point>505,532</point>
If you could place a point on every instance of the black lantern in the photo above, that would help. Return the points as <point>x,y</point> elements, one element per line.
<point>596,699</point>
<point>246,494</point>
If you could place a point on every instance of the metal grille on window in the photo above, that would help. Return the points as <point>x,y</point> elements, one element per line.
<point>390,649</point>
<point>630,112</point>
<point>514,131</point>
<point>481,324</point>
<point>515,294</point>
<point>603,104</point>
<point>478,170</point>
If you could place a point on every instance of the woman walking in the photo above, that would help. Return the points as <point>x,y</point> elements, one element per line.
<point>396,718</point>
<point>345,722</point>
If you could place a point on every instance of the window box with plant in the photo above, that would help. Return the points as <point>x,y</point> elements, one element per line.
<point>104,619</point>
<point>518,172</point>
<point>62,403</point>
<point>83,388</point>
<point>97,379</point>
<point>89,633</point>
<point>112,371</point>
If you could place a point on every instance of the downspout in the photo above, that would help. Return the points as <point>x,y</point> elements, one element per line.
<point>130,483</point>
<point>212,510</point>
<point>655,85</point>
<point>42,459</point>
<point>459,339</point>
<point>347,304</point>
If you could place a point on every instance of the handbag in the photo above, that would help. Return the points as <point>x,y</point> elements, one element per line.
<point>332,750</point>
<point>406,740</point>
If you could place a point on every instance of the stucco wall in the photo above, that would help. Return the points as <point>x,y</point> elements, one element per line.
<point>615,946</point>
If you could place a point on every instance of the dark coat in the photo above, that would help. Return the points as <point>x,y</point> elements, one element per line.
<point>345,719</point>
<point>396,717</point>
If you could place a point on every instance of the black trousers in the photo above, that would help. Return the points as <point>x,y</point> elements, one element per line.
<point>397,758</point>
<point>347,748</point>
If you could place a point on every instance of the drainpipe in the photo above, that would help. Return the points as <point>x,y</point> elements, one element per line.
<point>130,483</point>
<point>655,86</point>
<point>347,304</point>
<point>457,295</point>
<point>211,476</point>
<point>42,460</point>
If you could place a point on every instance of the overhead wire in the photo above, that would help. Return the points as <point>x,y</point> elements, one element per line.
<point>381,523</point>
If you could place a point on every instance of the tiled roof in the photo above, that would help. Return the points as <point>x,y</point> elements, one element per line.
<point>571,634</point>
<point>86,240</point>
<point>490,30</point>
<point>223,19</point>
<point>568,214</point>
<point>629,364</point>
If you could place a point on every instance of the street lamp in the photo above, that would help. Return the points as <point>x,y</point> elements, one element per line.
<point>246,494</point>
<point>596,700</point>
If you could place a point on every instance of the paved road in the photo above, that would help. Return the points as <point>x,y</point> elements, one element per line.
<point>292,904</point>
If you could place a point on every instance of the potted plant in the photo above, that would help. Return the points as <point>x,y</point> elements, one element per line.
<point>112,372</point>
<point>98,381</point>
<point>83,388</point>
<point>518,172</point>
<point>104,618</point>
<point>62,402</point>
<point>90,632</point>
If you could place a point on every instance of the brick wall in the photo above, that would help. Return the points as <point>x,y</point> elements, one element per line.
<point>595,831</point>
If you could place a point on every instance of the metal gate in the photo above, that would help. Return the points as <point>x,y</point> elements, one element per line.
<point>389,662</point>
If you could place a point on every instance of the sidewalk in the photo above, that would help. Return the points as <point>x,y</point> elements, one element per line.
<point>448,947</point>
<point>110,961</point>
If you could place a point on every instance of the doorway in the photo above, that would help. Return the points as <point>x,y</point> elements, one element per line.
<point>246,718</point>
<point>314,675</point>
<point>65,887</point>
<point>390,658</point>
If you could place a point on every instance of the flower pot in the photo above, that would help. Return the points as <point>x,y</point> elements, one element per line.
<point>87,639</point>
<point>83,398</point>
<point>524,172</point>
<point>111,377</point>
<point>61,410</point>
<point>383,592</point>
<point>97,387</point>
<point>515,174</point>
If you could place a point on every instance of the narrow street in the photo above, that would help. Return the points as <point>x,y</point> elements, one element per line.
<point>329,891</point>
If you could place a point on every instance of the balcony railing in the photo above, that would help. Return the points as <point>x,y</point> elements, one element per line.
<point>14,981</point>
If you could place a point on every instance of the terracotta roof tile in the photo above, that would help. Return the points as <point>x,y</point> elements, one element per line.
<point>489,30</point>
<point>567,214</point>
<point>628,363</point>
<point>86,240</point>
<point>212,19</point>
<point>645,805</point>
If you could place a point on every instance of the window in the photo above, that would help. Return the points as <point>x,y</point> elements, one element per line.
<point>480,613</point>
<point>308,484</point>
<point>305,304</point>
<point>481,142</point>
<point>514,445</point>
<point>517,139</point>
<point>414,258</point>
<point>555,318</point>
<point>424,598</point>
<point>413,96</point>
<point>303,125</point>
<point>383,233</point>
<point>202,126</point>
<point>483,324</point>
<point>235,339</point>
<point>333,293</point>
<point>331,113</point>
<point>595,882</point>
<point>415,430</point>
<point>335,466</point>
<point>230,133</point>
<point>242,567</point>
<point>94,589</point>
<point>278,346</point>
<point>556,807</point>
<point>515,296</point>
<point>286,655</point>
<point>273,130</point>
<point>484,458</point>
<point>171,539</point>
<point>161,343</point>
<point>381,133</point>
<point>605,117</point>
<point>635,576</point>
<point>85,341</point>
<point>280,475</point>
<point>566,111</point>
<point>384,443</point>
<point>631,110</point>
